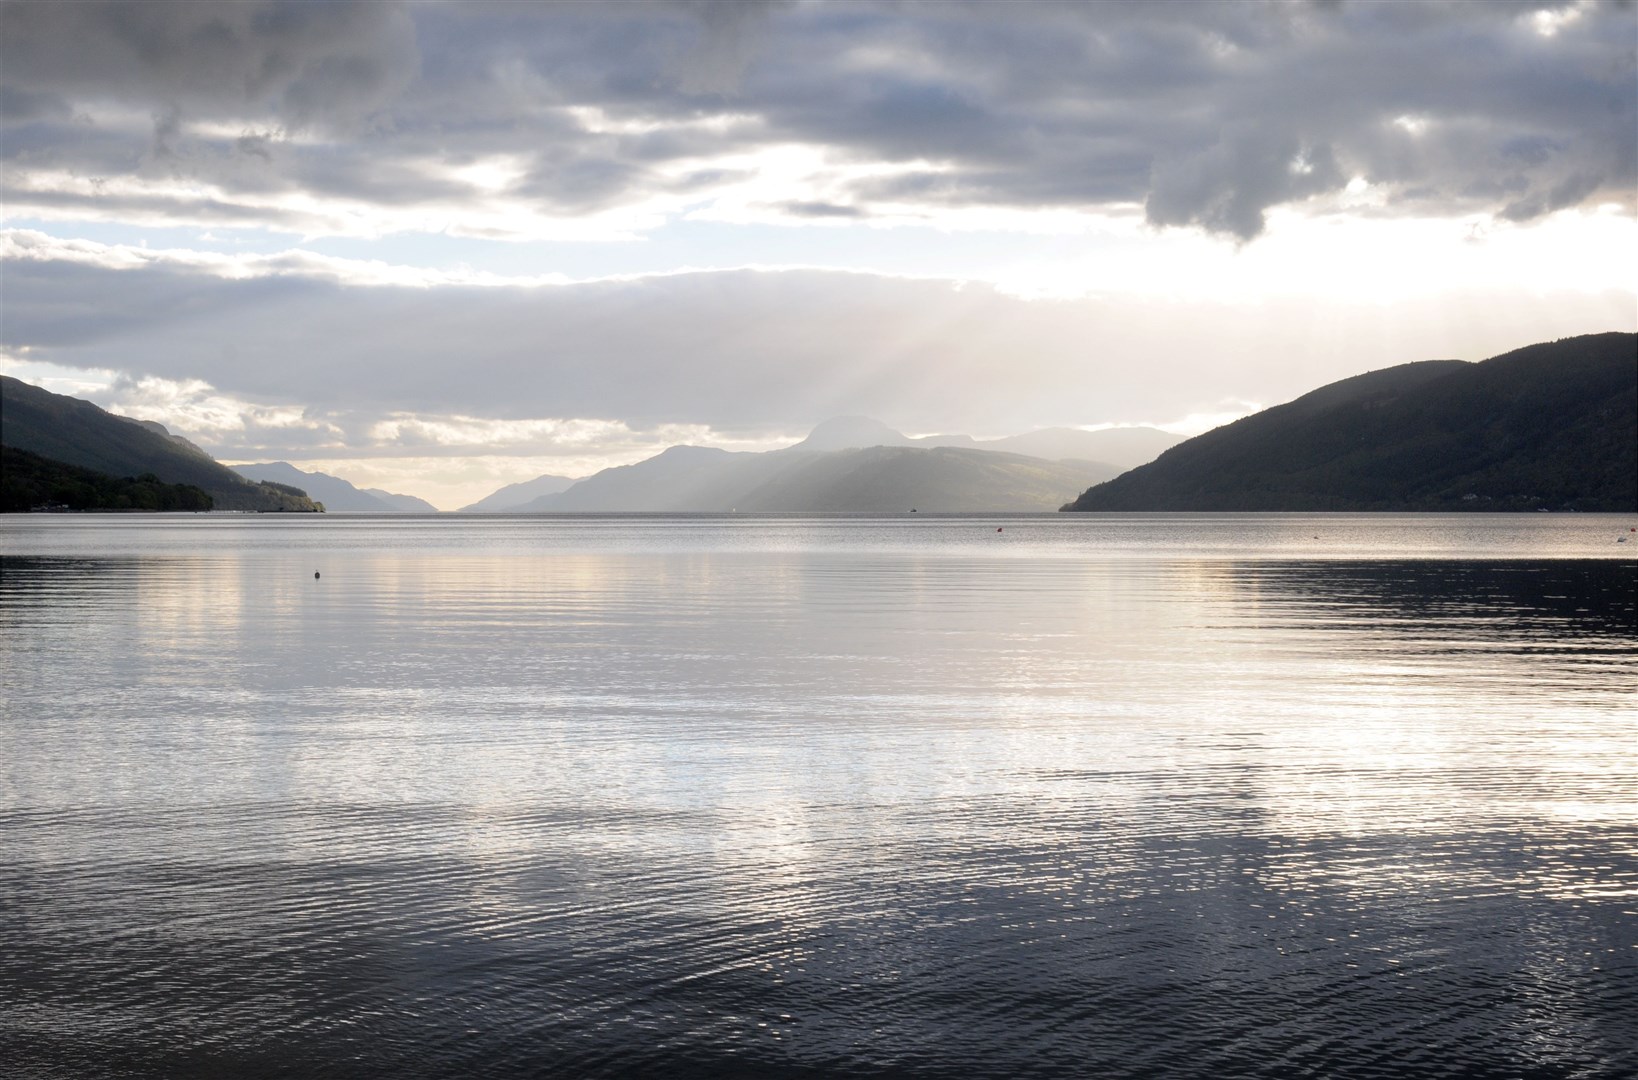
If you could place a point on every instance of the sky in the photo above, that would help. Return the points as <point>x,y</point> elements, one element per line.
<point>441,247</point>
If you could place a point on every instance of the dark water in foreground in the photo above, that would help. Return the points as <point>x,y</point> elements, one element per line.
<point>1340,796</point>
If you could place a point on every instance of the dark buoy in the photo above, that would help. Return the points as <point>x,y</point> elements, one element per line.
<point>998,530</point>
<point>315,575</point>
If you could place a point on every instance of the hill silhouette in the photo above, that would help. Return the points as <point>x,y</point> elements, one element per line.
<point>1549,426</point>
<point>334,492</point>
<point>944,478</point>
<point>851,463</point>
<point>513,497</point>
<point>884,479</point>
<point>75,432</point>
<point>31,482</point>
<point>402,504</point>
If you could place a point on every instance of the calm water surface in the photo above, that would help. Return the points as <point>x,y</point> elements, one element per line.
<point>1308,795</point>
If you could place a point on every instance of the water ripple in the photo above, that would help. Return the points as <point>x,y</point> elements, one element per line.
<point>758,805</point>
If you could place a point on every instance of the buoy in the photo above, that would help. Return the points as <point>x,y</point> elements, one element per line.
<point>998,530</point>
<point>315,574</point>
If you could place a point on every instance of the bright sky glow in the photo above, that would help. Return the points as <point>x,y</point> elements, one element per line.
<point>553,238</point>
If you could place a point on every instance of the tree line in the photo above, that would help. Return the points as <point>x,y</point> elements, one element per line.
<point>31,482</point>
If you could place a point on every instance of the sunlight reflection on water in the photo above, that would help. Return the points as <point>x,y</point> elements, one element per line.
<point>1115,796</point>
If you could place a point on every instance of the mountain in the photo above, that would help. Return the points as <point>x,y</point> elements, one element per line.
<point>74,432</point>
<point>1548,426</point>
<point>514,496</point>
<point>403,504</point>
<point>681,478</point>
<point>31,482</point>
<point>889,479</point>
<point>703,478</point>
<point>334,492</point>
<point>160,429</point>
<point>851,433</point>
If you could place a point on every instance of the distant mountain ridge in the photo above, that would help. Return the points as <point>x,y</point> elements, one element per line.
<point>940,478</point>
<point>75,432</point>
<point>513,496</point>
<point>334,492</point>
<point>882,479</point>
<point>403,504</point>
<point>842,465</point>
<point>1549,426</point>
<point>852,433</point>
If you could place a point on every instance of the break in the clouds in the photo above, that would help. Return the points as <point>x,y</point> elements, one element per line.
<point>440,247</point>
<point>597,121</point>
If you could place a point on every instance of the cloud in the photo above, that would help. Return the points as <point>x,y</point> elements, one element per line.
<point>605,121</point>
<point>731,34</point>
<point>1570,191</point>
<point>223,421</point>
<point>333,64</point>
<point>1228,187</point>
<point>526,364</point>
<point>30,246</point>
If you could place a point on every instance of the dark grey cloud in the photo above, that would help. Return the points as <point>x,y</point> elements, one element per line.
<point>1207,114</point>
<point>820,210</point>
<point>17,104</point>
<point>1568,192</point>
<point>335,63</point>
<point>1227,187</point>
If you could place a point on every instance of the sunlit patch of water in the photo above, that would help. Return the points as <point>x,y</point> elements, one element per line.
<point>1262,796</point>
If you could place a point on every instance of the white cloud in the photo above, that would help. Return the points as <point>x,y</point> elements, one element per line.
<point>1548,22</point>
<point>30,245</point>
<point>194,406</point>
